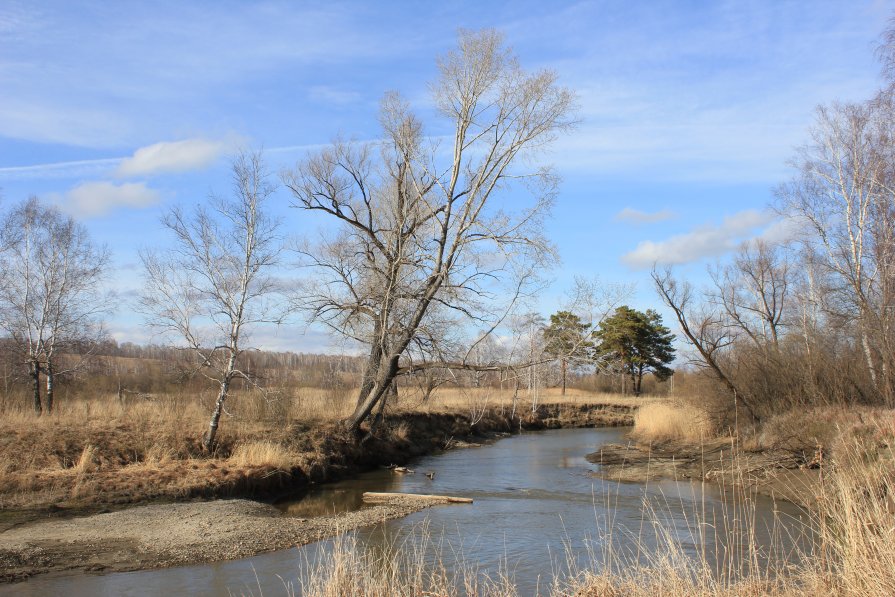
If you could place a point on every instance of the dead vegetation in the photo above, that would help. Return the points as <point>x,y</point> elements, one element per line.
<point>106,451</point>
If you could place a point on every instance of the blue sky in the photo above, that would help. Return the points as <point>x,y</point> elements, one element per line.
<point>689,111</point>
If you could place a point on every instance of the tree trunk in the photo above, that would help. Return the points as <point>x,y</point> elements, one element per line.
<point>381,385</point>
<point>49,373</point>
<point>372,368</point>
<point>565,367</point>
<point>868,356</point>
<point>208,444</point>
<point>34,373</point>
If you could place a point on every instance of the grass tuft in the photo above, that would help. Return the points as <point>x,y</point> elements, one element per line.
<point>666,421</point>
<point>262,453</point>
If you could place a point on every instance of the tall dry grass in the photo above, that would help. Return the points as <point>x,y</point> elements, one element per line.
<point>856,517</point>
<point>409,568</point>
<point>668,421</point>
<point>263,453</point>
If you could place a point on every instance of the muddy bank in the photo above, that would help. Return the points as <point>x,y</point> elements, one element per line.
<point>777,473</point>
<point>172,535</point>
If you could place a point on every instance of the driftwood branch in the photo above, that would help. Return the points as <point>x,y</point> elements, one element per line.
<point>375,497</point>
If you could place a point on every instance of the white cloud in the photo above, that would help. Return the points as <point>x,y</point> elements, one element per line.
<point>784,229</point>
<point>630,214</point>
<point>702,242</point>
<point>98,198</point>
<point>173,156</point>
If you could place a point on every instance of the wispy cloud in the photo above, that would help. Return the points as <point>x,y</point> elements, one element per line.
<point>176,63</point>
<point>92,199</point>
<point>41,121</point>
<point>702,242</point>
<point>173,156</point>
<point>103,167</point>
<point>332,95</point>
<point>629,214</point>
<point>72,169</point>
<point>684,102</point>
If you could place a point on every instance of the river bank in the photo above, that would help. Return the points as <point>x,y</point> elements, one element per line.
<point>780,474</point>
<point>163,535</point>
<point>100,528</point>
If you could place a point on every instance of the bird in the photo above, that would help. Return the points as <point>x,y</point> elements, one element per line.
<point>431,475</point>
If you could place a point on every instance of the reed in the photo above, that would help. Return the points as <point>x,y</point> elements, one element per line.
<point>666,421</point>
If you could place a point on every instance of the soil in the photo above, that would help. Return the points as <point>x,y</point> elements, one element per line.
<point>777,473</point>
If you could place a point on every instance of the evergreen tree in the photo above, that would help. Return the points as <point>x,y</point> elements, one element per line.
<point>638,342</point>
<point>567,340</point>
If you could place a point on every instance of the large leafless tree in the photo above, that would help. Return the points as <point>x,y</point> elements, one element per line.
<point>51,300</point>
<point>217,280</point>
<point>422,250</point>
<point>707,329</point>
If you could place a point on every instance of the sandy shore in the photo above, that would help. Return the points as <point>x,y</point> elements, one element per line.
<point>172,535</point>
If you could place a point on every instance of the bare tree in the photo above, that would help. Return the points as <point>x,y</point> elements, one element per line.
<point>753,290</point>
<point>707,330</point>
<point>844,192</point>
<point>50,292</point>
<point>216,282</point>
<point>421,247</point>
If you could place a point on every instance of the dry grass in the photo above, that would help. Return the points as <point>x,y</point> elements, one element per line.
<point>393,570</point>
<point>667,421</point>
<point>400,432</point>
<point>459,399</point>
<point>85,461</point>
<point>856,515</point>
<point>263,453</point>
<point>91,441</point>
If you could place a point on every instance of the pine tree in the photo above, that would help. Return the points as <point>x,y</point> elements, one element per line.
<point>567,340</point>
<point>638,342</point>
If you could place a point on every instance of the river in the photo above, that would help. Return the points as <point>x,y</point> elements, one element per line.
<point>535,500</point>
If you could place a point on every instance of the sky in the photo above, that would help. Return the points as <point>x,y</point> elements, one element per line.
<point>688,113</point>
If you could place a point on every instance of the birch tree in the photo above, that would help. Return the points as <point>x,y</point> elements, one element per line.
<point>844,193</point>
<point>216,282</point>
<point>421,243</point>
<point>51,300</point>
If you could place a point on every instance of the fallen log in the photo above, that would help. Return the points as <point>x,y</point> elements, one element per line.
<point>376,497</point>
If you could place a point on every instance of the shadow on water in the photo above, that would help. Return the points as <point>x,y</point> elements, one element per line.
<point>536,500</point>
